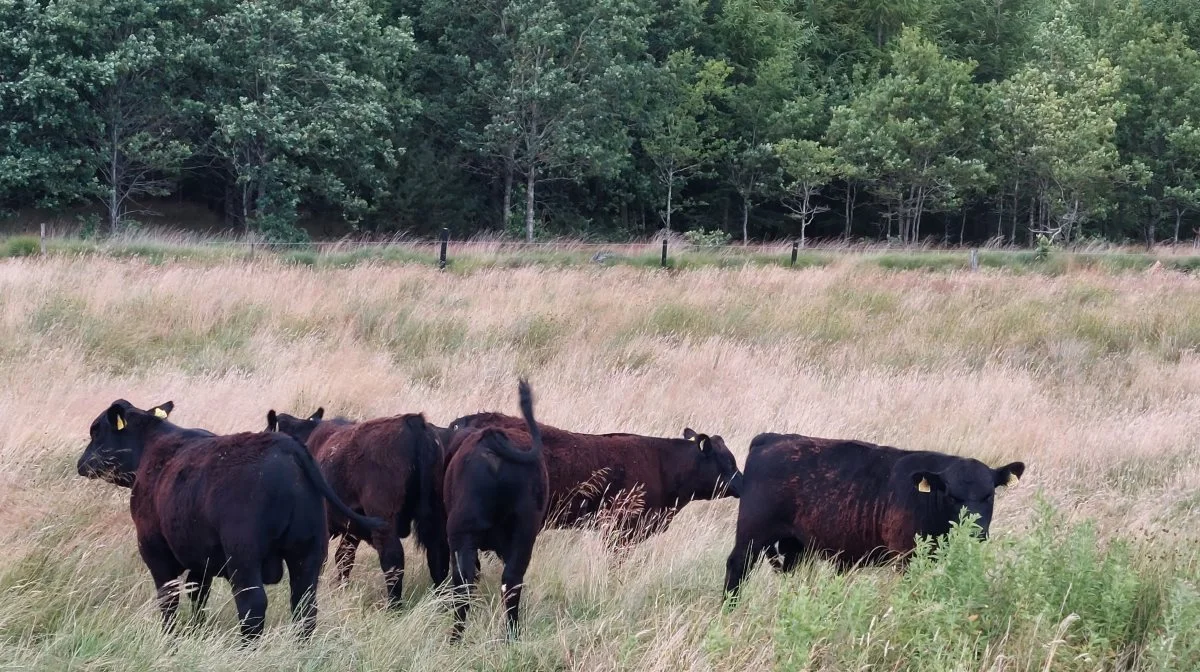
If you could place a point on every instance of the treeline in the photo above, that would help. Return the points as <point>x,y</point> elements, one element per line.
<point>950,120</point>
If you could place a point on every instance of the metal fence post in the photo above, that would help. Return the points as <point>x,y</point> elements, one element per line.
<point>445,237</point>
<point>664,253</point>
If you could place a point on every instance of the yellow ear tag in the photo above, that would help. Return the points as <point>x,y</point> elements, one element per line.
<point>160,413</point>
<point>923,486</point>
<point>701,443</point>
<point>1012,479</point>
<point>120,423</point>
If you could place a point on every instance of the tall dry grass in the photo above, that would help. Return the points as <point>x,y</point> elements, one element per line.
<point>1089,378</point>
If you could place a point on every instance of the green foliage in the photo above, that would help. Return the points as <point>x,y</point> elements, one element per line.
<point>22,246</point>
<point>967,120</point>
<point>702,238</point>
<point>1054,595</point>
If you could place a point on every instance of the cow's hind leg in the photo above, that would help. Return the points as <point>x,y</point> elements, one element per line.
<point>391,560</point>
<point>464,566</point>
<point>343,557</point>
<point>516,561</point>
<point>304,571</point>
<point>250,596</point>
<point>200,594</point>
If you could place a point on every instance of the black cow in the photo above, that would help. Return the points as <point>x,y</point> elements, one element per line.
<point>496,500</point>
<point>239,506</point>
<point>855,501</point>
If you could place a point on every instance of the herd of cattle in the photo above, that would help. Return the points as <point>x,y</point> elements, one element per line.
<point>242,506</point>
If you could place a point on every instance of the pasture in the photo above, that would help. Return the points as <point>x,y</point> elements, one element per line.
<point>1089,376</point>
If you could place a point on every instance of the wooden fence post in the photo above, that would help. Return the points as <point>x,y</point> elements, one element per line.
<point>974,260</point>
<point>795,251</point>
<point>664,253</point>
<point>445,237</point>
<point>43,239</point>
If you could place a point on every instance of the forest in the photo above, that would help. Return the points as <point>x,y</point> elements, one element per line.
<point>944,122</point>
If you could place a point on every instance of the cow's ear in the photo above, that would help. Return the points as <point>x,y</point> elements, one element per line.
<point>163,410</point>
<point>272,421</point>
<point>927,481</point>
<point>116,417</point>
<point>689,433</point>
<point>317,414</point>
<point>1009,474</point>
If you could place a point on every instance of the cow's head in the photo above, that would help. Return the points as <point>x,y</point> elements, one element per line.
<point>962,483</point>
<point>118,437</point>
<point>297,428</point>
<point>715,470</point>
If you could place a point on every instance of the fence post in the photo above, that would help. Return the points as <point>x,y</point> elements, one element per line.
<point>974,260</point>
<point>445,238</point>
<point>43,239</point>
<point>795,251</point>
<point>664,253</point>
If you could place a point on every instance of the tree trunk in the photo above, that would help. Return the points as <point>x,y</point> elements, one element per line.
<point>999,220</point>
<point>851,192</point>
<point>745,221</point>
<point>508,185</point>
<point>114,175</point>
<point>1016,211</point>
<point>530,182</point>
<point>1032,211</point>
<point>670,192</point>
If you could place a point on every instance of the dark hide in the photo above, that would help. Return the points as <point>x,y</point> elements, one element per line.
<point>496,499</point>
<point>589,471</point>
<point>239,506</point>
<point>855,501</point>
<point>390,468</point>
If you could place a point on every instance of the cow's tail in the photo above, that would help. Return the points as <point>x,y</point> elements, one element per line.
<point>309,466</point>
<point>500,444</point>
<point>427,463</point>
<point>535,432</point>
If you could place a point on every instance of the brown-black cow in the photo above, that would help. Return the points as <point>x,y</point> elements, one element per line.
<point>496,500</point>
<point>389,468</point>
<point>851,500</point>
<point>588,471</point>
<point>239,506</point>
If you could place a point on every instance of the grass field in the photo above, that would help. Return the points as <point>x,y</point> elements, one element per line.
<point>1089,375</point>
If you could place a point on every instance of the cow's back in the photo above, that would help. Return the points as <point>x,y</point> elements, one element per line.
<point>834,495</point>
<point>583,468</point>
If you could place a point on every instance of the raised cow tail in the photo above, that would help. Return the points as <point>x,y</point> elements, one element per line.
<point>498,441</point>
<point>535,432</point>
<point>310,469</point>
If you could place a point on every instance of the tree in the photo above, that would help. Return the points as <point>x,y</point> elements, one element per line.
<point>554,96</point>
<point>808,166</point>
<point>918,128</point>
<point>305,103</point>
<point>1056,122</point>
<point>44,78</point>
<point>680,137</point>
<point>139,144</point>
<point>772,88</point>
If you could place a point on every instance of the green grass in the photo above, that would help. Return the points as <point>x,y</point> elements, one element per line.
<point>466,261</point>
<point>1053,597</point>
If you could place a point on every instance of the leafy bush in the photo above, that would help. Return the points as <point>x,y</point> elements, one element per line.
<point>702,238</point>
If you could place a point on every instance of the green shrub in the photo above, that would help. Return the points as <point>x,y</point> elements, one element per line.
<point>22,246</point>
<point>702,238</point>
